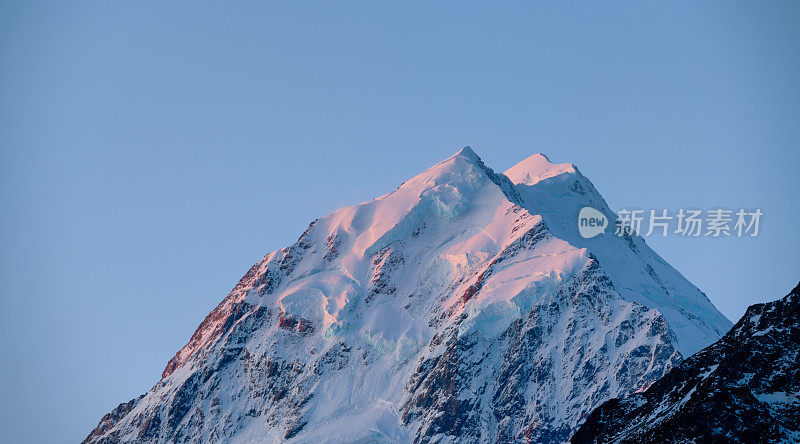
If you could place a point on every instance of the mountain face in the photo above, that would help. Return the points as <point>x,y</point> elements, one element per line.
<point>461,307</point>
<point>743,388</point>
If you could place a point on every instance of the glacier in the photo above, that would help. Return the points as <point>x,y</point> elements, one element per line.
<point>461,307</point>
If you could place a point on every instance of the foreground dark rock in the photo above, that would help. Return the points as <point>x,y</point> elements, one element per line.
<point>743,388</point>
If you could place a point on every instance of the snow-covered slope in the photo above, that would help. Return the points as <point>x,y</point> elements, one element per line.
<point>557,192</point>
<point>462,306</point>
<point>743,388</point>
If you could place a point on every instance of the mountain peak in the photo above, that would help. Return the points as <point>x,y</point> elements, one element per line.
<point>541,155</point>
<point>467,153</point>
<point>537,168</point>
<point>384,314</point>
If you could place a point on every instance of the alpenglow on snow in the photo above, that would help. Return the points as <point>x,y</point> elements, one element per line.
<point>463,306</point>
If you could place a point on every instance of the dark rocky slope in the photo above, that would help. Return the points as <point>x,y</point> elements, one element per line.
<point>743,388</point>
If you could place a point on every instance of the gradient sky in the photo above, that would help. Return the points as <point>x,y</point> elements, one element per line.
<point>151,153</point>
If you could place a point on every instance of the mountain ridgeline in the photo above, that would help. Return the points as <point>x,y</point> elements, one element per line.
<point>743,388</point>
<point>462,307</point>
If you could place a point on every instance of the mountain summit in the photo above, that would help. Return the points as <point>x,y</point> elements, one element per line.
<point>461,307</point>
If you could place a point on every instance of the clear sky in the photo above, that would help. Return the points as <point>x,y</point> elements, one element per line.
<point>150,153</point>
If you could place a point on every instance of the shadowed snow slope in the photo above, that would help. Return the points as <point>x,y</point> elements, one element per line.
<point>558,192</point>
<point>743,388</point>
<point>462,306</point>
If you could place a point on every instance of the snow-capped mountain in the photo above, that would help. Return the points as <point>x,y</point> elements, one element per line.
<point>743,388</point>
<point>461,307</point>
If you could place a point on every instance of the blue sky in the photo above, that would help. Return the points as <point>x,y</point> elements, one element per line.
<point>151,153</point>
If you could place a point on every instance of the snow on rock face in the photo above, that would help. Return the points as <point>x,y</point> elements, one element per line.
<point>577,345</point>
<point>558,192</point>
<point>459,307</point>
<point>743,388</point>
